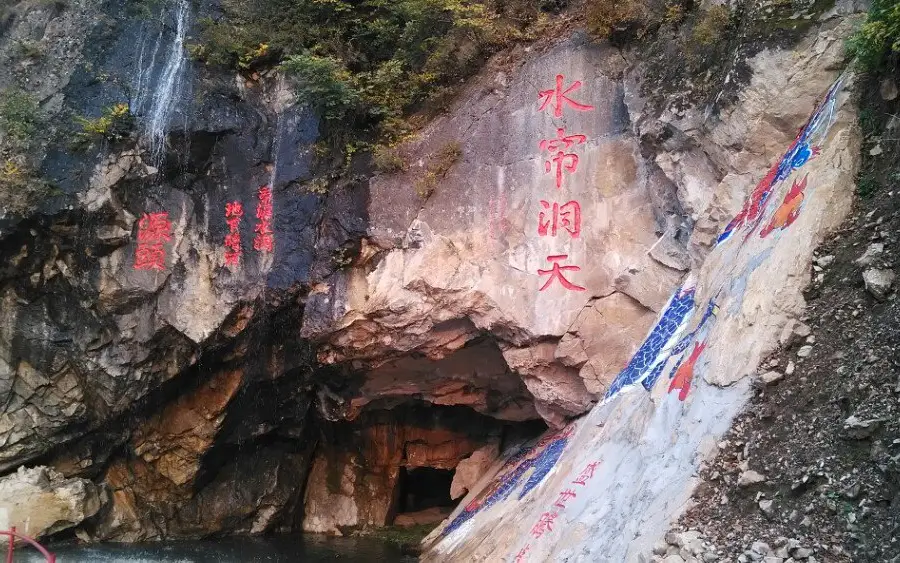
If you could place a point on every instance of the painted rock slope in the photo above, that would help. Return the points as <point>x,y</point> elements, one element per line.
<point>606,486</point>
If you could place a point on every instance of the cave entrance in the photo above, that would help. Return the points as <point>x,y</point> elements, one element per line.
<point>424,496</point>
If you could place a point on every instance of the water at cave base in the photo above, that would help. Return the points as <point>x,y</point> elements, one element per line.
<point>272,549</point>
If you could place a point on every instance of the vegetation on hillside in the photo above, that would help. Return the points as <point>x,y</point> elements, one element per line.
<point>877,43</point>
<point>114,123</point>
<point>20,119</point>
<point>365,65</point>
<point>876,46</point>
<point>702,40</point>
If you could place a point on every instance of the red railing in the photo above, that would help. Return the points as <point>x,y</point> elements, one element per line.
<point>13,535</point>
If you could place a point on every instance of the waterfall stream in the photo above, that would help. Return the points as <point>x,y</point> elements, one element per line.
<point>158,88</point>
<point>282,99</point>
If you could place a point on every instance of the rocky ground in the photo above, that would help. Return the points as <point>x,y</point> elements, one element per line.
<point>811,471</point>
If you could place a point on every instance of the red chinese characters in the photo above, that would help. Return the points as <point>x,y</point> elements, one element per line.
<point>544,524</point>
<point>558,98</point>
<point>522,555</point>
<point>563,497</point>
<point>264,240</point>
<point>556,273</point>
<point>547,519</point>
<point>562,161</point>
<point>586,474</point>
<point>154,230</point>
<point>233,213</point>
<point>566,216</point>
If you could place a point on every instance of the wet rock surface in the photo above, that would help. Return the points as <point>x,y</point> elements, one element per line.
<point>168,385</point>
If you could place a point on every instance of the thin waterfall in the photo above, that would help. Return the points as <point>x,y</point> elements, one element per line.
<point>281,99</point>
<point>158,91</point>
<point>146,63</point>
<point>276,148</point>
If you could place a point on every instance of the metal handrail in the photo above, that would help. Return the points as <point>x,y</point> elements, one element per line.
<point>13,535</point>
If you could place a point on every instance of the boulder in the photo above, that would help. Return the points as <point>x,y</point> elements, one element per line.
<point>872,253</point>
<point>879,282</point>
<point>421,517</point>
<point>750,477</point>
<point>40,501</point>
<point>470,470</point>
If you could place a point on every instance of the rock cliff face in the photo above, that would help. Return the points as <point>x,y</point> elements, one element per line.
<point>607,486</point>
<point>134,352</point>
<point>526,185</point>
<point>191,324</point>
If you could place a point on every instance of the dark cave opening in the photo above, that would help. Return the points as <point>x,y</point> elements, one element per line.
<point>422,488</point>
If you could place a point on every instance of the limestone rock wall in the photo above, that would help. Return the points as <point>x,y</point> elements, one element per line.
<point>133,351</point>
<point>537,181</point>
<point>607,485</point>
<point>355,479</point>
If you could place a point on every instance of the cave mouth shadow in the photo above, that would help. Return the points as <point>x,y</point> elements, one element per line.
<point>425,487</point>
<point>423,496</point>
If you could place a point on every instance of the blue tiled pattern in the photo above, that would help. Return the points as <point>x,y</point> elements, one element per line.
<point>683,345</point>
<point>541,457</point>
<point>643,361</point>
<point>802,148</point>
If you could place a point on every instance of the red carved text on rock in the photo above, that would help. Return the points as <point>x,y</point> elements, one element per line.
<point>563,497</point>
<point>560,160</point>
<point>556,273</point>
<point>544,524</point>
<point>522,555</point>
<point>558,97</point>
<point>154,230</point>
<point>233,213</point>
<point>586,473</point>
<point>265,240</point>
<point>566,216</point>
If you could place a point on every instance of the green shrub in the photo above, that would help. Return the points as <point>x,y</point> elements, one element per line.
<point>113,124</point>
<point>325,84</point>
<point>29,49</point>
<point>318,186</point>
<point>387,159</point>
<point>621,21</point>
<point>19,115</point>
<point>606,18</point>
<point>711,26</point>
<point>878,40</point>
<point>20,187</point>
